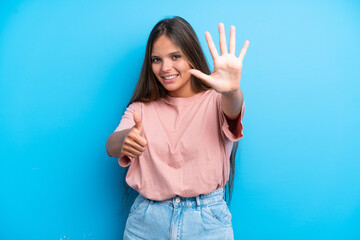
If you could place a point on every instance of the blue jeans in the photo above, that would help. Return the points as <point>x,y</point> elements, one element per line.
<point>179,218</point>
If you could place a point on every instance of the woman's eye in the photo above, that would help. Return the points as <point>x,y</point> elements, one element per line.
<point>176,57</point>
<point>155,60</point>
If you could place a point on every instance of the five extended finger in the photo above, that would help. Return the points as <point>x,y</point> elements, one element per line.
<point>222,38</point>
<point>211,45</point>
<point>202,76</point>
<point>232,40</point>
<point>243,50</point>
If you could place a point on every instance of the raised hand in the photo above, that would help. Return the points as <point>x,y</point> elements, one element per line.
<point>227,67</point>
<point>135,142</point>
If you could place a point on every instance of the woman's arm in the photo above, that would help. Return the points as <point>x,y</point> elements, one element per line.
<point>115,142</point>
<point>232,103</point>
<point>225,78</point>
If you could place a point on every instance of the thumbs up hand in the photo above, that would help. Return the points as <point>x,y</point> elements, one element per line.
<point>135,142</point>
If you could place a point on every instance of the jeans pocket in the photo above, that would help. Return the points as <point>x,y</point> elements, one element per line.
<point>219,212</point>
<point>138,203</point>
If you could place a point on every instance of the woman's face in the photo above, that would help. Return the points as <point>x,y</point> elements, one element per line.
<point>171,68</point>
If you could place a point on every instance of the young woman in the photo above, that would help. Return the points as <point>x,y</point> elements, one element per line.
<point>179,133</point>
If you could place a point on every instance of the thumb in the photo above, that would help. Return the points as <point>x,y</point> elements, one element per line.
<point>202,76</point>
<point>137,121</point>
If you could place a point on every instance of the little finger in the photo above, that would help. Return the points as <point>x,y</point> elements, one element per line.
<point>243,50</point>
<point>131,150</point>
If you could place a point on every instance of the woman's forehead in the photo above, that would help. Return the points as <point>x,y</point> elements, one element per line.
<point>164,45</point>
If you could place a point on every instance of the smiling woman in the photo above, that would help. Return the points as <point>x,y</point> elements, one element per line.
<point>171,68</point>
<point>178,136</point>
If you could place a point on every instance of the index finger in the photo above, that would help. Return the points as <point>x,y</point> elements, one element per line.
<point>140,140</point>
<point>211,45</point>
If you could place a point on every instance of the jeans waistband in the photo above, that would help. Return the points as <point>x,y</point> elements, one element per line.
<point>202,199</point>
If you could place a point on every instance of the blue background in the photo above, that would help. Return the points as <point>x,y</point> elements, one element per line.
<point>68,69</point>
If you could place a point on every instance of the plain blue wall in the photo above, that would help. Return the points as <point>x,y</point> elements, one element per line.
<point>68,69</point>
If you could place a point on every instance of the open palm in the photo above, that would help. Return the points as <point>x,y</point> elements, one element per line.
<point>227,67</point>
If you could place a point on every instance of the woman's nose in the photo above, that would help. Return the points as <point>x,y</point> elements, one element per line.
<point>166,66</point>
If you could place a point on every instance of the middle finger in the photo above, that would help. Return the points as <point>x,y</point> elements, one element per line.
<point>222,38</point>
<point>232,40</point>
<point>136,146</point>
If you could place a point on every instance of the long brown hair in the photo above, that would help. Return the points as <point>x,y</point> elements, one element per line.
<point>148,88</point>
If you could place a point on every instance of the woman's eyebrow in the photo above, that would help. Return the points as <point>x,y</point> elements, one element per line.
<point>172,53</point>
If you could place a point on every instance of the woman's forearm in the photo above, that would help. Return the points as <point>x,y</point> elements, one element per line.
<point>232,103</point>
<point>115,142</point>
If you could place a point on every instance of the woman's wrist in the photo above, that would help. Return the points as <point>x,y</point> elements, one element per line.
<point>232,103</point>
<point>233,93</point>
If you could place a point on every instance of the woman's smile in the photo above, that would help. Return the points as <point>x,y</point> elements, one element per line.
<point>170,78</point>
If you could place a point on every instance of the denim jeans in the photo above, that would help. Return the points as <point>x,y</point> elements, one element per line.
<point>202,217</point>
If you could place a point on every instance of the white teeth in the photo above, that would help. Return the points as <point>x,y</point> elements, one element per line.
<point>171,77</point>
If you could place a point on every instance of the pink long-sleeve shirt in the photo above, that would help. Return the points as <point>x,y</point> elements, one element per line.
<point>189,146</point>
